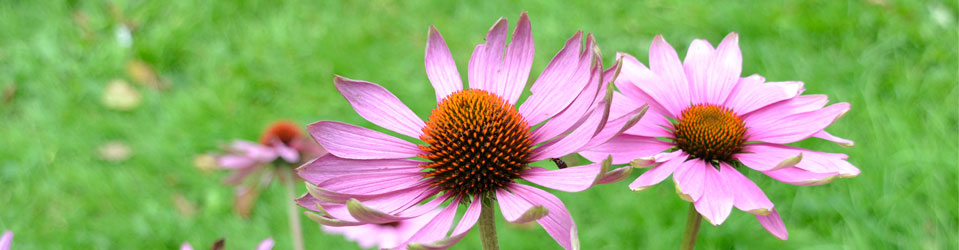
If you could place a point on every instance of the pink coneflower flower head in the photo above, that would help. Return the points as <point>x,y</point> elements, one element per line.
<point>6,240</point>
<point>266,244</point>
<point>384,235</point>
<point>254,164</point>
<point>718,124</point>
<point>476,142</point>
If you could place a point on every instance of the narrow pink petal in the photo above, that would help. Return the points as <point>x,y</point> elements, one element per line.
<point>724,70</point>
<point>257,152</point>
<point>615,175</point>
<point>752,93</point>
<point>462,228</point>
<point>746,195</point>
<point>657,174</point>
<point>767,156</point>
<point>571,142</point>
<point>437,228</point>
<point>673,93</point>
<point>574,114</point>
<point>632,81</point>
<point>329,166</point>
<point>571,179</point>
<point>354,186</point>
<point>440,67</point>
<point>822,162</point>
<point>185,246</point>
<point>795,127</point>
<point>568,70</point>
<point>349,141</point>
<point>616,127</point>
<point>488,57</point>
<point>7,239</point>
<point>266,244</point>
<point>517,63</point>
<point>782,109</point>
<point>829,137</point>
<point>717,200</point>
<point>625,148</point>
<point>379,106</point>
<point>802,177</point>
<point>697,65</point>
<point>558,222</point>
<point>517,210</point>
<point>774,224</point>
<point>288,154</point>
<point>690,178</point>
<point>234,161</point>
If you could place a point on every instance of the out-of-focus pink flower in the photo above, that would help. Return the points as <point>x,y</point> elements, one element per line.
<point>6,240</point>
<point>478,141</point>
<point>716,121</point>
<point>385,235</point>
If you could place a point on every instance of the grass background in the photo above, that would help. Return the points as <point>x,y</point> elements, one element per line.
<point>233,66</point>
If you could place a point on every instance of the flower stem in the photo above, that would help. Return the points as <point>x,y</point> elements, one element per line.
<point>487,225</point>
<point>295,229</point>
<point>693,219</point>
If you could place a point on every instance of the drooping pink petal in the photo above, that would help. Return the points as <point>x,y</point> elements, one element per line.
<point>437,228</point>
<point>802,177</point>
<point>829,137</point>
<point>288,154</point>
<point>462,228</point>
<point>795,127</point>
<point>7,239</point>
<point>822,162</point>
<point>266,244</point>
<point>488,58</point>
<point>571,142</point>
<point>632,80</point>
<point>659,173</point>
<point>574,114</point>
<point>356,186</point>
<point>625,148</point>
<point>234,161</point>
<point>353,142</point>
<point>782,109</point>
<point>254,151</point>
<point>717,200</point>
<point>379,106</point>
<point>724,70</point>
<point>746,195</point>
<point>767,156</point>
<point>774,224</point>
<point>690,178</point>
<point>440,67</point>
<point>517,63</point>
<point>329,166</point>
<point>616,126</point>
<point>697,65</point>
<point>517,210</point>
<point>558,222</point>
<point>569,69</point>
<point>752,93</point>
<point>673,93</point>
<point>571,179</point>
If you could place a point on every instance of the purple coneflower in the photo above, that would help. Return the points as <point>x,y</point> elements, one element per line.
<point>476,143</point>
<point>715,124</point>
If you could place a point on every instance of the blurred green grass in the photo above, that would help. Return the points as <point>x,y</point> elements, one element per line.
<point>234,66</point>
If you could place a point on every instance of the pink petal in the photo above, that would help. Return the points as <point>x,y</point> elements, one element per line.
<point>329,166</point>
<point>440,67</point>
<point>466,223</point>
<point>437,228</point>
<point>487,58</point>
<point>383,209</point>
<point>632,81</point>
<point>746,195</point>
<point>380,107</point>
<point>254,151</point>
<point>782,109</point>
<point>349,141</point>
<point>829,137</point>
<point>518,61</point>
<point>802,177</point>
<point>517,210</point>
<point>795,127</point>
<point>7,239</point>
<point>697,65</point>
<point>185,246</point>
<point>724,70</point>
<point>571,179</point>
<point>288,154</point>
<point>266,244</point>
<point>767,156</point>
<point>717,199</point>
<point>659,173</point>
<point>568,70</point>
<point>620,122</point>
<point>558,222</point>
<point>356,186</point>
<point>571,142</point>
<point>234,161</point>
<point>690,178</point>
<point>774,224</point>
<point>673,93</point>
<point>821,162</point>
<point>752,94</point>
<point>625,148</point>
<point>574,114</point>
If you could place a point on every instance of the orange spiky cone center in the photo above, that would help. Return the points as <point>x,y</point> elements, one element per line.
<point>710,132</point>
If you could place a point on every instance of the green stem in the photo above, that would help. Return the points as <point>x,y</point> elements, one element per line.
<point>295,229</point>
<point>693,219</point>
<point>487,225</point>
